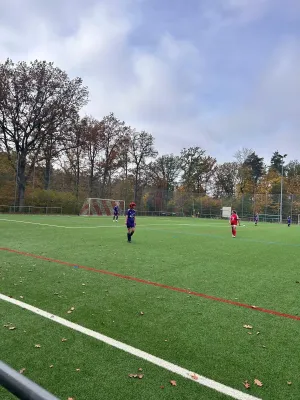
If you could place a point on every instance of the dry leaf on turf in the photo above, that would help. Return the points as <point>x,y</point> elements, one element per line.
<point>63,339</point>
<point>132,375</point>
<point>78,369</point>
<point>140,369</point>
<point>195,377</point>
<point>246,384</point>
<point>248,326</point>
<point>37,346</point>
<point>12,328</point>
<point>173,383</point>
<point>141,376</point>
<point>289,383</point>
<point>51,366</point>
<point>22,370</point>
<point>72,308</point>
<point>162,387</point>
<point>71,398</point>
<point>69,312</point>
<point>258,383</point>
<point>249,333</point>
<point>141,313</point>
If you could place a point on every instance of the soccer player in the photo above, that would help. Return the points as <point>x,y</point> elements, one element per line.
<point>234,220</point>
<point>130,221</point>
<point>116,213</point>
<point>289,221</point>
<point>256,219</point>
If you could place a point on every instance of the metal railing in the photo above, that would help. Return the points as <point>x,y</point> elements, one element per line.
<point>20,386</point>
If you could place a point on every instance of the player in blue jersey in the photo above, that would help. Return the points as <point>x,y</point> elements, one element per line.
<point>255,219</point>
<point>116,213</point>
<point>130,221</point>
<point>289,221</point>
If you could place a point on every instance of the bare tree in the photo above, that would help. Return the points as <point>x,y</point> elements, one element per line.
<point>142,149</point>
<point>35,99</point>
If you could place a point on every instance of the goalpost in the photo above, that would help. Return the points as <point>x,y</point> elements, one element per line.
<point>101,207</point>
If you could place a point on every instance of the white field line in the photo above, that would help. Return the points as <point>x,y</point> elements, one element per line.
<point>115,225</point>
<point>200,380</point>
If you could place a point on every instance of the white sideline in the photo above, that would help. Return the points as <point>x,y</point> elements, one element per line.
<point>201,380</point>
<point>108,226</point>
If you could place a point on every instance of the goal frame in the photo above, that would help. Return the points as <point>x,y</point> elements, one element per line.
<point>99,200</point>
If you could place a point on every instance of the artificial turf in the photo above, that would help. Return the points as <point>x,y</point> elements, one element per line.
<point>259,267</point>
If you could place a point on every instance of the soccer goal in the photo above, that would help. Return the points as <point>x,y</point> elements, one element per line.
<point>101,207</point>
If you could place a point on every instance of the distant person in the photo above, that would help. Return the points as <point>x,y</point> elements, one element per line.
<point>256,219</point>
<point>130,221</point>
<point>289,221</point>
<point>116,212</point>
<point>234,220</point>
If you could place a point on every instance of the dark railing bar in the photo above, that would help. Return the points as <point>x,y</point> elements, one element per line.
<point>22,387</point>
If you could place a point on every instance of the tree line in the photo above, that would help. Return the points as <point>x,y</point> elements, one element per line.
<point>47,145</point>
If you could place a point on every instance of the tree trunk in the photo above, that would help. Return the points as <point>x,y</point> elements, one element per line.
<point>47,174</point>
<point>91,191</point>
<point>21,179</point>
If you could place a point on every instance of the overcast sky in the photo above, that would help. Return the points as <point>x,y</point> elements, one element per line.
<point>219,74</point>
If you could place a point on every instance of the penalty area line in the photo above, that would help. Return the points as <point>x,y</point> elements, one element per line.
<point>199,379</point>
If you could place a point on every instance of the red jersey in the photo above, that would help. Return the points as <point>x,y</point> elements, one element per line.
<point>234,219</point>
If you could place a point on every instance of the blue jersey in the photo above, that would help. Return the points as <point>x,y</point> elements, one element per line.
<point>116,210</point>
<point>289,220</point>
<point>256,218</point>
<point>130,217</point>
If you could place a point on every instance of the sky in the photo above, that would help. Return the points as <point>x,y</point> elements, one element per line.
<point>218,74</point>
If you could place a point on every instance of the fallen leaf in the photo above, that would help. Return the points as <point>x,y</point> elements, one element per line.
<point>69,312</point>
<point>78,369</point>
<point>21,297</point>
<point>140,369</point>
<point>195,377</point>
<point>71,398</point>
<point>248,326</point>
<point>162,387</point>
<point>289,383</point>
<point>254,306</point>
<point>64,339</point>
<point>249,333</point>
<point>258,383</point>
<point>141,313</point>
<point>173,383</point>
<point>22,370</point>
<point>264,346</point>
<point>37,346</point>
<point>51,366</point>
<point>246,384</point>
<point>12,328</point>
<point>141,376</point>
<point>72,308</point>
<point>132,375</point>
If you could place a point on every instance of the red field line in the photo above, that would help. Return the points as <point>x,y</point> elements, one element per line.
<point>161,285</point>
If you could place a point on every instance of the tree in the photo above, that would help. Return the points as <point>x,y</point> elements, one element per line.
<point>243,175</point>
<point>276,162</point>
<point>256,166</point>
<point>142,149</point>
<point>198,169</point>
<point>93,137</point>
<point>35,99</point>
<point>164,172</point>
<point>114,138</point>
<point>225,179</point>
<point>75,154</point>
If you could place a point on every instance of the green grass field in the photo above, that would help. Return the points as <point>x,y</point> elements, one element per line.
<point>259,268</point>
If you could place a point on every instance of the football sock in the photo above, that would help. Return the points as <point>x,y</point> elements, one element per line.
<point>131,233</point>
<point>128,237</point>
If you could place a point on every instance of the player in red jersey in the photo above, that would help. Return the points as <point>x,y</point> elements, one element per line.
<point>234,220</point>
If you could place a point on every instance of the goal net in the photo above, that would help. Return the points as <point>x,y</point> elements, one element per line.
<point>102,207</point>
